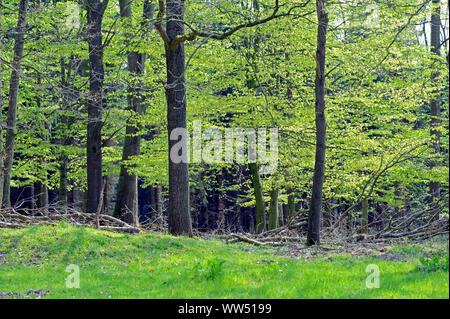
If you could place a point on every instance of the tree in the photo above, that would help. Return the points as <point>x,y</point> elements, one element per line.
<point>435,103</point>
<point>127,189</point>
<point>95,11</point>
<point>260,207</point>
<point>315,210</point>
<point>12,103</point>
<point>1,110</point>
<point>381,81</point>
<point>179,208</point>
<point>274,211</point>
<point>174,38</point>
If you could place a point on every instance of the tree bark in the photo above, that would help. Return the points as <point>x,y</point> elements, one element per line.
<point>42,194</point>
<point>65,138</point>
<point>291,204</point>
<point>313,236</point>
<point>126,195</point>
<point>1,110</point>
<point>95,10</point>
<point>179,208</point>
<point>260,216</point>
<point>12,104</point>
<point>158,201</point>
<point>435,104</point>
<point>273,211</point>
<point>62,191</point>
<point>282,210</point>
<point>364,214</point>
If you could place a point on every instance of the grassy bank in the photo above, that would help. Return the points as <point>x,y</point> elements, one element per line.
<point>34,260</point>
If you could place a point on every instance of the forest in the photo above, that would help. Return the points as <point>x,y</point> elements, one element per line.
<point>225,145</point>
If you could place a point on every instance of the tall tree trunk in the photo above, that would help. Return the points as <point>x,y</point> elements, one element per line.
<point>282,210</point>
<point>65,138</point>
<point>350,222</point>
<point>313,236</point>
<point>158,201</point>
<point>62,191</point>
<point>95,10</point>
<point>435,104</point>
<point>204,204</point>
<point>42,194</point>
<point>221,220</point>
<point>1,109</point>
<point>260,216</point>
<point>364,215</point>
<point>179,207</point>
<point>291,204</point>
<point>221,204</point>
<point>126,198</point>
<point>273,211</point>
<point>12,105</point>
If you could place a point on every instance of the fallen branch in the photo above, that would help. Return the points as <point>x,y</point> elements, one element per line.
<point>248,240</point>
<point>12,219</point>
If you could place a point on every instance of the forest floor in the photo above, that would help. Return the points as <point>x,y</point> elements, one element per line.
<point>34,264</point>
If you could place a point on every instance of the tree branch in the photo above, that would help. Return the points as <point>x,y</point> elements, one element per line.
<point>158,24</point>
<point>221,36</point>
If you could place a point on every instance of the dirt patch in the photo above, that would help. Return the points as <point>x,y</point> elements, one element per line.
<point>354,250</point>
<point>394,256</point>
<point>32,293</point>
<point>383,251</point>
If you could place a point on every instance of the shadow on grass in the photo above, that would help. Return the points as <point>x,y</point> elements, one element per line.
<point>16,240</point>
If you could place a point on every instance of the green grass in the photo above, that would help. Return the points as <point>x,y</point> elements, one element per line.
<point>161,266</point>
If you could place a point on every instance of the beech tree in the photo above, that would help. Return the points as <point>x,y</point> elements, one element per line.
<point>126,202</point>
<point>253,64</point>
<point>435,103</point>
<point>1,108</point>
<point>95,11</point>
<point>12,102</point>
<point>174,37</point>
<point>315,209</point>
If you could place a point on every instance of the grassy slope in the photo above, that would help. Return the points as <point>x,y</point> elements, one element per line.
<point>160,266</point>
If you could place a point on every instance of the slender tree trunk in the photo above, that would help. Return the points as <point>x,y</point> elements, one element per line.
<point>153,200</point>
<point>221,203</point>
<point>273,211</point>
<point>364,215</point>
<point>221,213</point>
<point>62,191</point>
<point>126,198</point>
<point>158,198</point>
<point>260,216</point>
<point>65,139</point>
<point>1,109</point>
<point>95,10</point>
<point>282,209</point>
<point>251,222</point>
<point>12,105</point>
<point>106,181</point>
<point>204,212</point>
<point>350,223</point>
<point>313,236</point>
<point>179,207</point>
<point>291,204</point>
<point>42,194</point>
<point>435,106</point>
